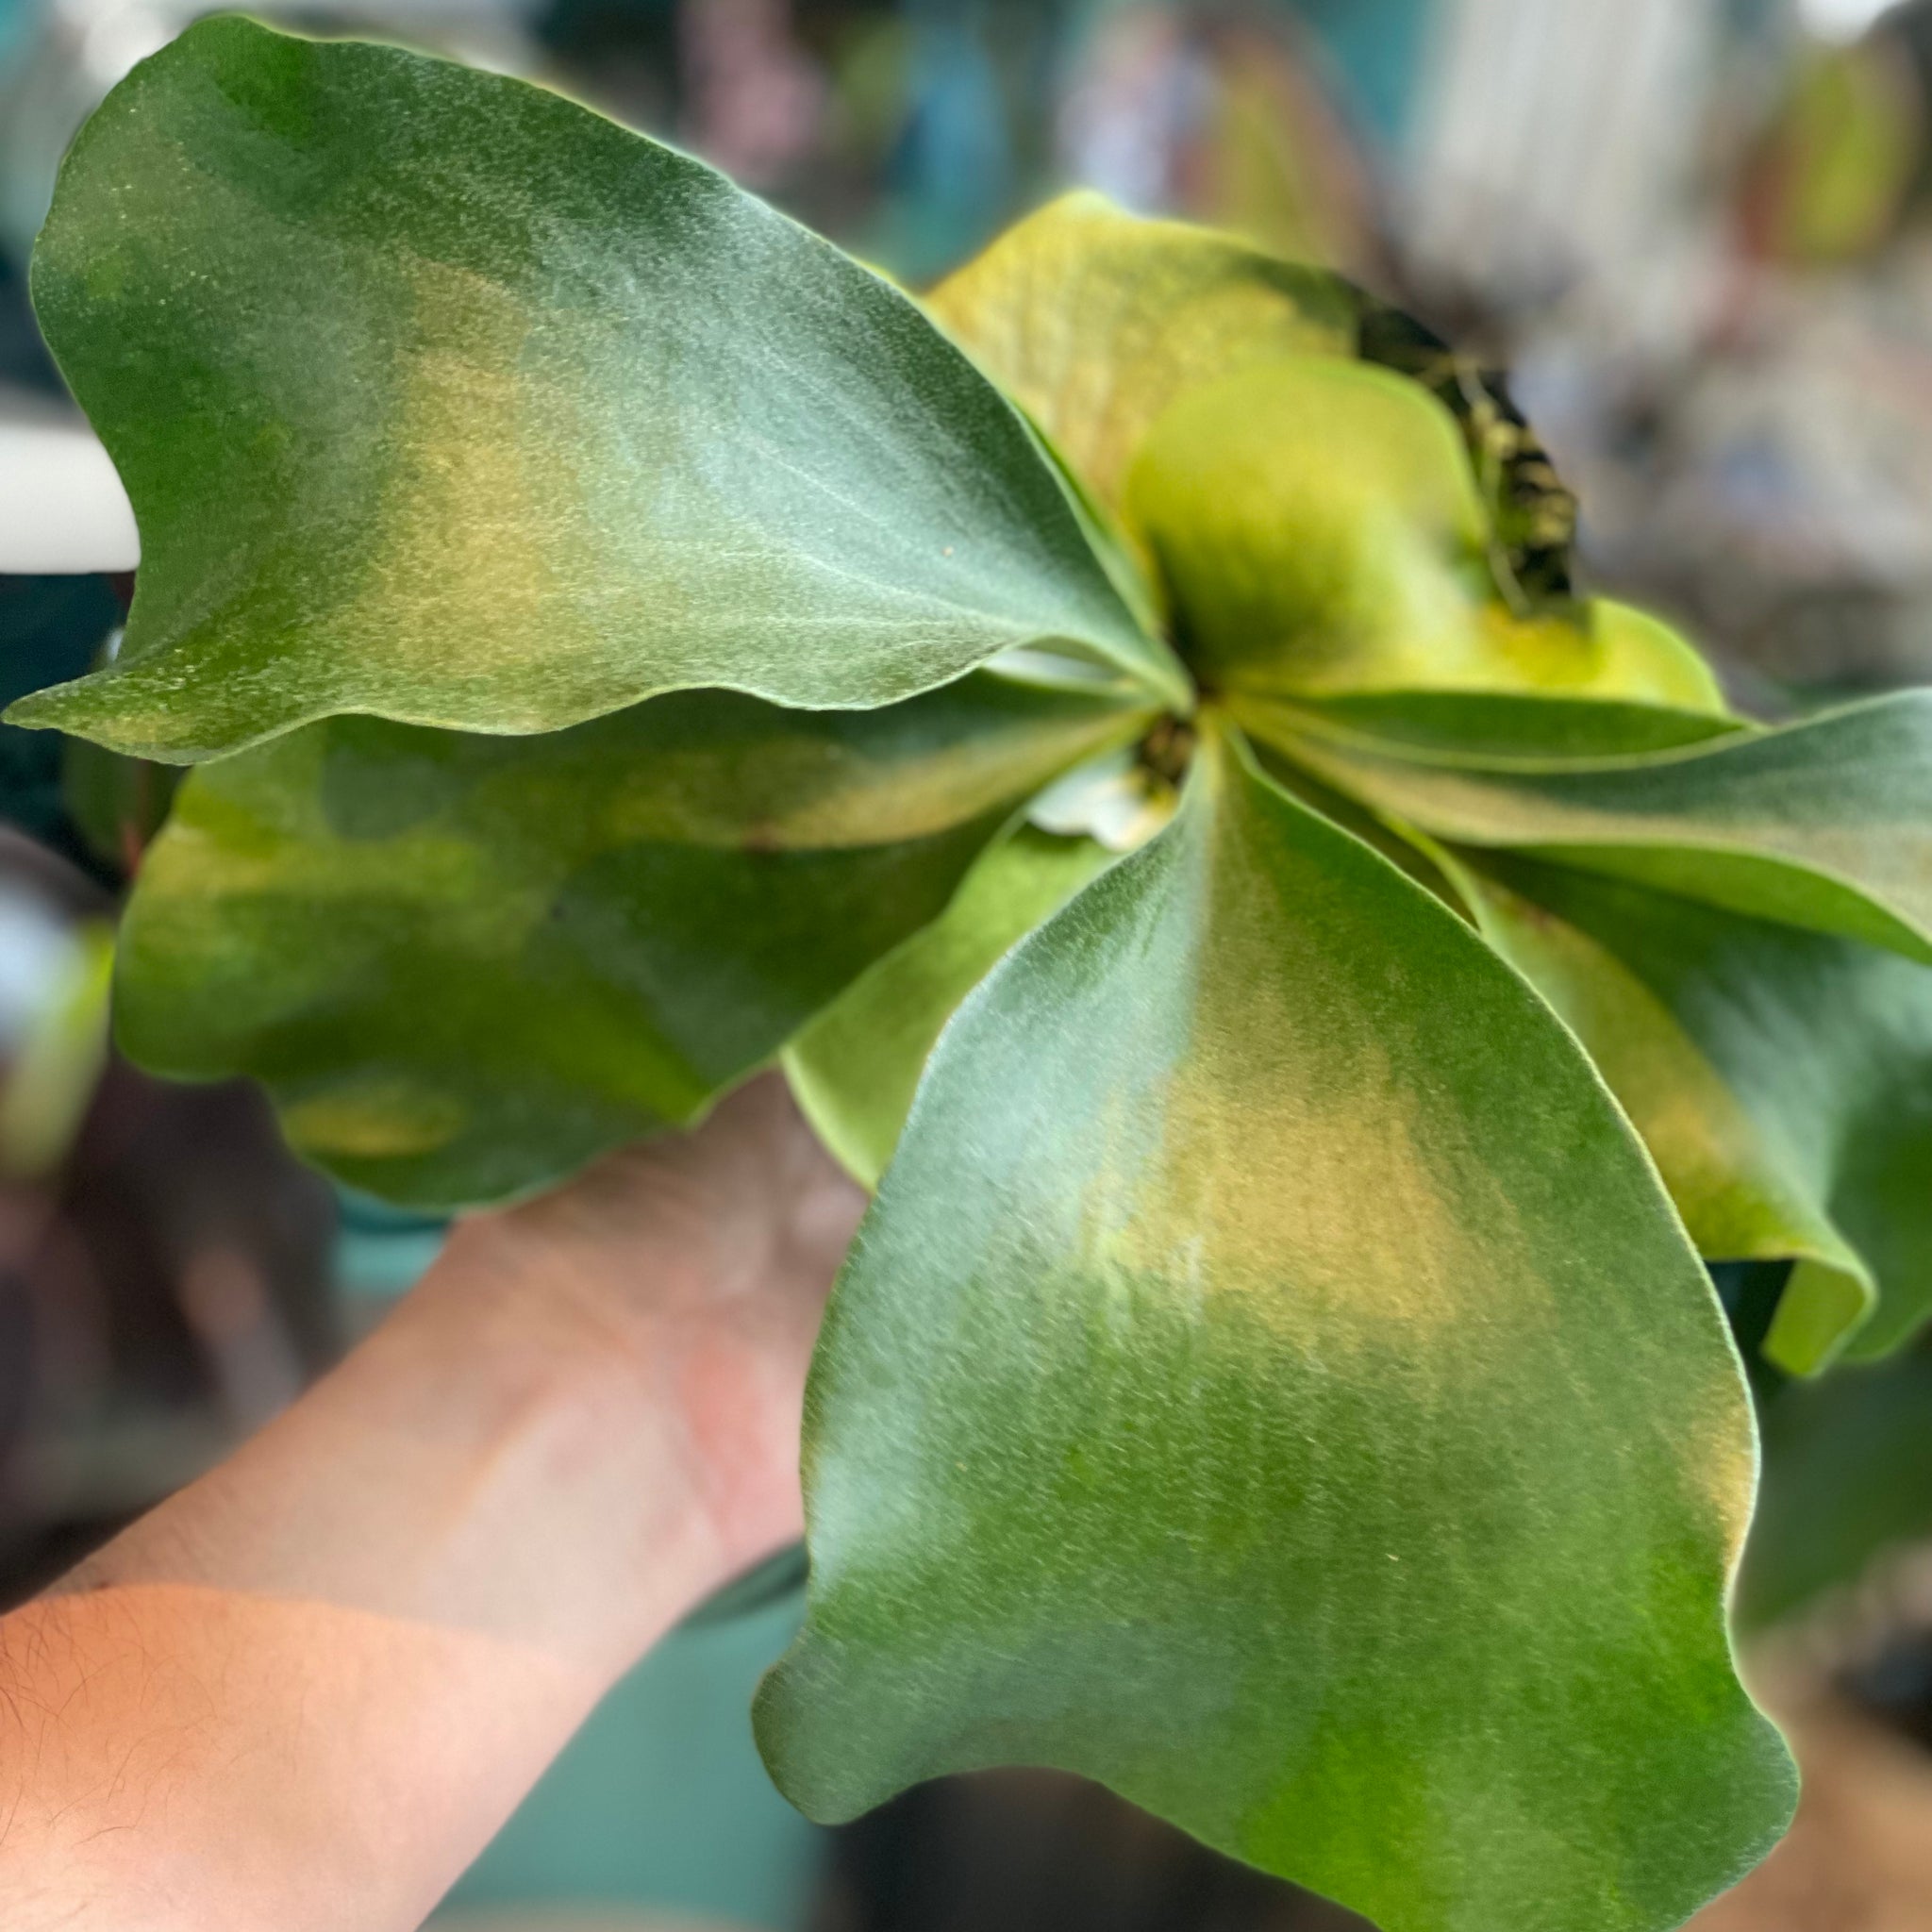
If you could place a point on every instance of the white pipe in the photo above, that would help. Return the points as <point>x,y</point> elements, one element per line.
<point>62,509</point>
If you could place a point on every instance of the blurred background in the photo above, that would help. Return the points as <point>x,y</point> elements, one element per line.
<point>1700,234</point>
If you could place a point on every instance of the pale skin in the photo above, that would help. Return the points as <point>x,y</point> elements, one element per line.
<point>305,1692</point>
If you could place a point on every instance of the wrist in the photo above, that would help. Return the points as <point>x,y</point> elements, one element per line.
<point>649,1404</point>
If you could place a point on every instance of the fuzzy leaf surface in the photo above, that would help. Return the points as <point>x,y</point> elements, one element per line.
<point>462,965</point>
<point>1096,321</point>
<point>443,399</point>
<point>1332,500</point>
<point>1100,322</point>
<point>1781,1078</point>
<point>1490,728</point>
<point>856,1067</point>
<point>1270,1380</point>
<point>1321,531</point>
<point>1826,823</point>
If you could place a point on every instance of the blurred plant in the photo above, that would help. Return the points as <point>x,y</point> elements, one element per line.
<point>161,1257</point>
<point>1848,1490</point>
<point>54,1035</point>
<point>1217,112</point>
<point>1125,735</point>
<point>1832,171</point>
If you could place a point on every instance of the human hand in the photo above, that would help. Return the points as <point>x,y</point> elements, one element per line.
<point>700,1264</point>
<point>305,1690</point>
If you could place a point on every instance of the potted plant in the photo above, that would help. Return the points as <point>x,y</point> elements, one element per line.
<point>1305,984</point>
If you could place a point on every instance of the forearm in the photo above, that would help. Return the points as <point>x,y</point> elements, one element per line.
<point>305,1690</point>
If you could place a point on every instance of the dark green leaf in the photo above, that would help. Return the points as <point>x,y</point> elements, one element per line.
<point>1270,1380</point>
<point>1826,823</point>
<point>117,803</point>
<point>1782,1079</point>
<point>464,964</point>
<point>443,399</point>
<point>1847,1478</point>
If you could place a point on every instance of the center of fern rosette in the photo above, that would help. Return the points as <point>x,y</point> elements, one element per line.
<point>1168,749</point>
